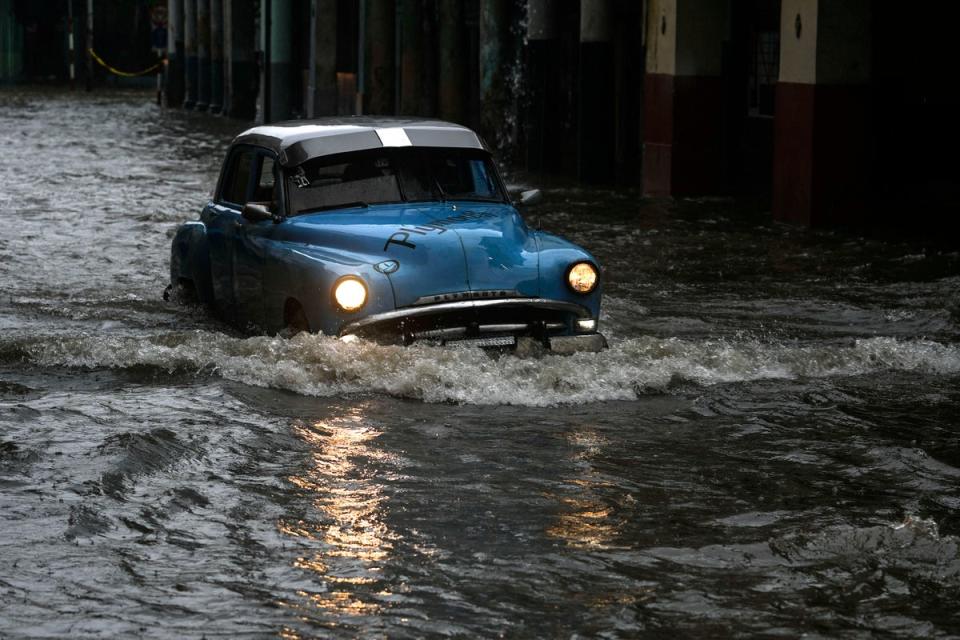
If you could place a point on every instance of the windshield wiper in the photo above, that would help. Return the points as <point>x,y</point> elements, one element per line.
<point>443,195</point>
<point>345,205</point>
<point>476,199</point>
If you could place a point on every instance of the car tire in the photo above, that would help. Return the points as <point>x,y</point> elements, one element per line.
<point>294,317</point>
<point>182,293</point>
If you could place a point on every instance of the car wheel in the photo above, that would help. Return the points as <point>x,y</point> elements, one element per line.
<point>182,293</point>
<point>294,318</point>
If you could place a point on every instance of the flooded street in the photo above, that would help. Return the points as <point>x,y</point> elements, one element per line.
<point>771,445</point>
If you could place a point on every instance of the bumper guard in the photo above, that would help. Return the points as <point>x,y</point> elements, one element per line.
<point>448,322</point>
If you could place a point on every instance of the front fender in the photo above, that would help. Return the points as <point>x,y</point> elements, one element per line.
<point>307,275</point>
<point>557,255</point>
<point>190,260</point>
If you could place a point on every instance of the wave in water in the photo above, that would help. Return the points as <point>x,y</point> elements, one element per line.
<point>323,366</point>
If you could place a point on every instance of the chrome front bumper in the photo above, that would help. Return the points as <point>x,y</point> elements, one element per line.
<point>589,342</point>
<point>518,322</point>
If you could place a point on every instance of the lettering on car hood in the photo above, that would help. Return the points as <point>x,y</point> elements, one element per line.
<point>401,237</point>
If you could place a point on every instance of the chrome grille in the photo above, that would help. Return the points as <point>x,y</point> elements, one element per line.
<point>467,295</point>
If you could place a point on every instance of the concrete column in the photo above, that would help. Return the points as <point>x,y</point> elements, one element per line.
<point>379,52</point>
<point>453,75</point>
<point>542,118</point>
<point>492,36</point>
<point>190,48</point>
<point>470,34</point>
<point>263,64</point>
<point>90,44</point>
<point>412,96</point>
<point>495,94</point>
<point>175,54</point>
<point>325,64</point>
<point>282,73</point>
<point>310,94</point>
<point>597,117</point>
<point>683,97</point>
<point>430,58</point>
<point>216,56</point>
<point>821,137</point>
<point>203,55</point>
<point>240,94</point>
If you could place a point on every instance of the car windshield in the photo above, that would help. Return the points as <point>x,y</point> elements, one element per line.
<point>392,175</point>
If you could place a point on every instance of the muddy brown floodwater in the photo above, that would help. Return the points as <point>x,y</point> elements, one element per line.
<point>769,447</point>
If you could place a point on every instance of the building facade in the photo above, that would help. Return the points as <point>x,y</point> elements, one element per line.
<point>836,112</point>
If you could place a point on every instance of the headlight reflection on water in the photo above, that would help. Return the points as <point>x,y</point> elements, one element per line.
<point>585,516</point>
<point>352,539</point>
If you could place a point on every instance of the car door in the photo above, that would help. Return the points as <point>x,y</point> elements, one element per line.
<point>251,240</point>
<point>221,217</point>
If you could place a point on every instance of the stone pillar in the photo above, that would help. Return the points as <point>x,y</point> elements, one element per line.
<point>494,93</point>
<point>325,64</point>
<point>597,117</point>
<point>310,93</point>
<point>379,52</point>
<point>190,48</point>
<point>683,97</point>
<point>240,94</point>
<point>412,81</point>
<point>453,74</point>
<point>175,54</point>
<point>263,62</point>
<point>89,45</point>
<point>282,73</point>
<point>216,56</point>
<point>203,55</point>
<point>542,118</point>
<point>821,136</point>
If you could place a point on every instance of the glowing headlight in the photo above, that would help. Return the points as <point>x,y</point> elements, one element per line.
<point>582,277</point>
<point>350,293</point>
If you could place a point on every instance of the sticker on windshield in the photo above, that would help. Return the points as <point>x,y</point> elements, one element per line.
<point>300,178</point>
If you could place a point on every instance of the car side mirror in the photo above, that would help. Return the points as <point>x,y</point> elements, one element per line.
<point>256,212</point>
<point>531,197</point>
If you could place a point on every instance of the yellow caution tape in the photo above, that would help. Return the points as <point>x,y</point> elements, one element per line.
<point>125,74</point>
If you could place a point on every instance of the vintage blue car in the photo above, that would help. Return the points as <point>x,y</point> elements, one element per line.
<point>396,230</point>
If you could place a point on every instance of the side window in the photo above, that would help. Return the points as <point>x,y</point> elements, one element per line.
<point>482,181</point>
<point>264,191</point>
<point>465,177</point>
<point>238,177</point>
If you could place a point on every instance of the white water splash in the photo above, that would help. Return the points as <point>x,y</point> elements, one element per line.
<point>322,366</point>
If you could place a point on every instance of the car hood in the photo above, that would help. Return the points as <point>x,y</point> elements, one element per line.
<point>442,251</point>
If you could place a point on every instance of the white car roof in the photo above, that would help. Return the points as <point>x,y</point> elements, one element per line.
<point>298,140</point>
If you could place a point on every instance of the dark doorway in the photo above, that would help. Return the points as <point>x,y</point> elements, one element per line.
<point>751,66</point>
<point>44,41</point>
<point>916,102</point>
